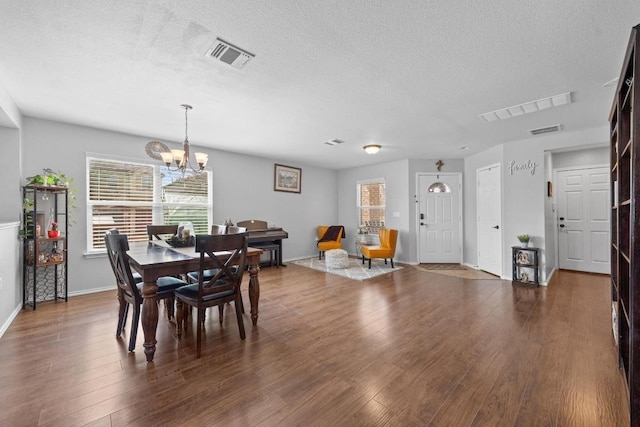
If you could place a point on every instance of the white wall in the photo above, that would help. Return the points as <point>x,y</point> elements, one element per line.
<point>523,194</point>
<point>10,209</point>
<point>10,190</point>
<point>10,273</point>
<point>10,115</point>
<point>585,157</point>
<point>242,189</point>
<point>396,176</point>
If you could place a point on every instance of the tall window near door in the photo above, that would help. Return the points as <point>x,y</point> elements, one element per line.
<point>129,196</point>
<point>371,204</point>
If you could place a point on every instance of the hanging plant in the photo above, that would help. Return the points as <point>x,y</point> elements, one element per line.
<point>27,218</point>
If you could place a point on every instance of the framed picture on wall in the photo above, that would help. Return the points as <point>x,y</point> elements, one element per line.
<point>287,179</point>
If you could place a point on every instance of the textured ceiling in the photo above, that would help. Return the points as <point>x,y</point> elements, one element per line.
<point>410,75</point>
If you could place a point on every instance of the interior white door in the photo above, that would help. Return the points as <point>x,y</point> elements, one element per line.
<point>583,219</point>
<point>489,221</point>
<point>439,221</point>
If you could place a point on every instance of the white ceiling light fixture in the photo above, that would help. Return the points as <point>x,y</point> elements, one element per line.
<point>372,148</point>
<point>229,54</point>
<point>181,157</point>
<point>527,107</point>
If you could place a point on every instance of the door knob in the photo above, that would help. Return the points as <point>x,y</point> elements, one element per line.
<point>422,223</point>
<point>561,225</point>
<point>561,218</point>
<point>496,227</point>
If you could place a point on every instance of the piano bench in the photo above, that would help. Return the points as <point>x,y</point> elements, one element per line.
<point>271,248</point>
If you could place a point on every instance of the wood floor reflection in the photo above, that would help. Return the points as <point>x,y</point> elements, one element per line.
<point>411,348</point>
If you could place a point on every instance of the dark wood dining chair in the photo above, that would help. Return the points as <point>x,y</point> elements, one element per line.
<point>136,276</point>
<point>222,288</point>
<point>129,292</point>
<point>155,231</point>
<point>192,276</point>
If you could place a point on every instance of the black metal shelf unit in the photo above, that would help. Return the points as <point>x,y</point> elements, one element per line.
<point>44,261</point>
<point>524,262</point>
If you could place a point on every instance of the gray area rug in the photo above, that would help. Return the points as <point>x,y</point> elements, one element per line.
<point>356,270</point>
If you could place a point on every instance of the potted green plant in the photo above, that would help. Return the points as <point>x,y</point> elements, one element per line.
<point>524,240</point>
<point>49,178</point>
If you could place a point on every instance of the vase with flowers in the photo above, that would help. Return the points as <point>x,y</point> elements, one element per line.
<point>53,232</point>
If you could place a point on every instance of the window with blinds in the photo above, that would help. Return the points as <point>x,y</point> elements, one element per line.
<point>371,204</point>
<point>129,196</point>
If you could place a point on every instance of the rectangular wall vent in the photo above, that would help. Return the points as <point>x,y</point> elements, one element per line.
<point>528,107</point>
<point>548,129</point>
<point>229,54</point>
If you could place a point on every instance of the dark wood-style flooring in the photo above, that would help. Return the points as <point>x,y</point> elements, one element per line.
<point>411,348</point>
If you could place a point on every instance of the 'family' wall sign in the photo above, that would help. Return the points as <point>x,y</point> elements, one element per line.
<point>522,167</point>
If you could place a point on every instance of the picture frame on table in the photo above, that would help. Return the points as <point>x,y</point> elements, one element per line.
<point>287,179</point>
<point>523,258</point>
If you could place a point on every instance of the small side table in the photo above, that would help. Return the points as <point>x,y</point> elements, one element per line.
<point>524,262</point>
<point>360,242</point>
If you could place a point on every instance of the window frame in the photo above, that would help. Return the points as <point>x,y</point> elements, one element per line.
<point>156,205</point>
<point>371,228</point>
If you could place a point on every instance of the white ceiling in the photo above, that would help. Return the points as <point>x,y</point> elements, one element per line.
<point>411,75</point>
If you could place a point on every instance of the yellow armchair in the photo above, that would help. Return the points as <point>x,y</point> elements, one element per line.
<point>387,248</point>
<point>325,245</point>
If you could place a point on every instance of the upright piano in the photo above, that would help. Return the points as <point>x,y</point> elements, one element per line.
<point>261,235</point>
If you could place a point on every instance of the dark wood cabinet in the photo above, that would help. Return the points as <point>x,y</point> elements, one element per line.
<point>625,227</point>
<point>524,263</point>
<point>44,262</point>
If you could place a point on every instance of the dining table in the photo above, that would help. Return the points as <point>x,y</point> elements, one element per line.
<point>156,258</point>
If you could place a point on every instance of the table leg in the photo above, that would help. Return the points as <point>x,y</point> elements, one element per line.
<point>254,290</point>
<point>149,318</point>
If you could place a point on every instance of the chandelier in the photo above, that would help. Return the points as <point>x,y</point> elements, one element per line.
<point>181,157</point>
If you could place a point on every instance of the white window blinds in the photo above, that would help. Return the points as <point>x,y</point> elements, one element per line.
<point>129,196</point>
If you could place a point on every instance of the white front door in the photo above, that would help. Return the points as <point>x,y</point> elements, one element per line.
<point>583,219</point>
<point>439,222</point>
<point>490,220</point>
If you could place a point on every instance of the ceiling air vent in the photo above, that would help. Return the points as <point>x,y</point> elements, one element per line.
<point>229,54</point>
<point>548,129</point>
<point>334,141</point>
